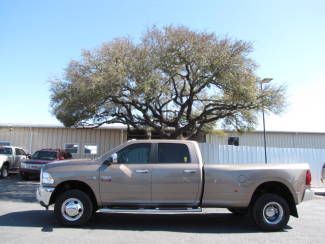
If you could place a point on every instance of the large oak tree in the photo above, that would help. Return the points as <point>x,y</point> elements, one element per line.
<point>174,81</point>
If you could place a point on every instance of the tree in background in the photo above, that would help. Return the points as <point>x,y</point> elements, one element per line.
<point>174,81</point>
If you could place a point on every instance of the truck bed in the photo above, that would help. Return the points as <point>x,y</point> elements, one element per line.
<point>234,185</point>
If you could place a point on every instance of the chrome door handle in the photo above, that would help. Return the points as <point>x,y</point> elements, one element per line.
<point>102,178</point>
<point>190,171</point>
<point>142,171</point>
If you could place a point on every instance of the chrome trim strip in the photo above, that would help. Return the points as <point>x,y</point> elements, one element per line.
<point>150,211</point>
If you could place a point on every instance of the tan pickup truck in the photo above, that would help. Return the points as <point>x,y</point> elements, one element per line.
<point>169,176</point>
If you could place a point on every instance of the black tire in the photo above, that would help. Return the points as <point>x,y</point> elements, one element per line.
<point>24,176</point>
<point>239,211</point>
<point>80,197</point>
<point>278,216</point>
<point>4,172</point>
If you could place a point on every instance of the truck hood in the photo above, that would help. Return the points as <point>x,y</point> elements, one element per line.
<point>71,164</point>
<point>83,170</point>
<point>3,157</point>
<point>37,161</point>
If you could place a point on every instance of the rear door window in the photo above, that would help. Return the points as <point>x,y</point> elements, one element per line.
<point>173,153</point>
<point>17,152</point>
<point>21,152</point>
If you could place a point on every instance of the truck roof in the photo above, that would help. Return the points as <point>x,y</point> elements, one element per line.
<point>10,147</point>
<point>162,140</point>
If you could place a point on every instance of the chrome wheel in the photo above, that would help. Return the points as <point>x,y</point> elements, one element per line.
<point>72,209</point>
<point>273,213</point>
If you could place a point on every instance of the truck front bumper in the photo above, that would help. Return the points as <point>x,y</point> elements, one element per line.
<point>43,195</point>
<point>308,195</point>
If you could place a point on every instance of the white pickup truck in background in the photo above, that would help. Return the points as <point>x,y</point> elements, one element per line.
<point>10,159</point>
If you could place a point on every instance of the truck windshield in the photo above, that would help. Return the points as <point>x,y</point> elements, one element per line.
<point>5,150</point>
<point>45,155</point>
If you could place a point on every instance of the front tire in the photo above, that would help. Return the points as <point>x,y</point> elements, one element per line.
<point>73,208</point>
<point>4,172</point>
<point>270,212</point>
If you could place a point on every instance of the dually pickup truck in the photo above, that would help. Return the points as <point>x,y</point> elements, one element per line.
<point>169,176</point>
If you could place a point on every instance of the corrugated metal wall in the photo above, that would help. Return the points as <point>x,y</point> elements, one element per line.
<point>283,147</point>
<point>273,139</point>
<point>35,138</point>
<point>223,154</point>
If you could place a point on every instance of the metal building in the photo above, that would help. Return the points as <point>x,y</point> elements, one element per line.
<point>79,141</point>
<point>94,142</point>
<point>277,139</point>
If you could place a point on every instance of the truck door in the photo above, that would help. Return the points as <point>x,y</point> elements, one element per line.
<point>129,181</point>
<point>177,176</point>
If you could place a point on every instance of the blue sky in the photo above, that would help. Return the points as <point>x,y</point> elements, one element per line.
<point>39,38</point>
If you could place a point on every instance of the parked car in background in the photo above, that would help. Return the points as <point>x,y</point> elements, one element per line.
<point>10,159</point>
<point>32,167</point>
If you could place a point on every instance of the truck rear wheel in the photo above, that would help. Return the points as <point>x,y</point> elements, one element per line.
<point>270,212</point>
<point>73,208</point>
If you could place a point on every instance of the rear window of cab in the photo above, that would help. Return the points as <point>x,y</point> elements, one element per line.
<point>173,153</point>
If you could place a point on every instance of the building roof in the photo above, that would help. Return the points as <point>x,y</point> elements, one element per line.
<point>23,125</point>
<point>124,127</point>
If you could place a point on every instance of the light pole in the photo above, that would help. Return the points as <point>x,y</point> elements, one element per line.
<point>264,81</point>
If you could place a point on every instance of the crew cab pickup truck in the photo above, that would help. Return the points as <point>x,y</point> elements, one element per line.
<point>159,176</point>
<point>10,159</point>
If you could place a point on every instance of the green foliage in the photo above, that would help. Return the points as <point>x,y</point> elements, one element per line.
<point>175,81</point>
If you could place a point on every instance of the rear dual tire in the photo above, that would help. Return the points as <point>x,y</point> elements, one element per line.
<point>270,212</point>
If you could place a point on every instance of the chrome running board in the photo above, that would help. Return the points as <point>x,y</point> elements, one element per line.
<point>150,211</point>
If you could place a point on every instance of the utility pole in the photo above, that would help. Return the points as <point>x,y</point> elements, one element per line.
<point>264,81</point>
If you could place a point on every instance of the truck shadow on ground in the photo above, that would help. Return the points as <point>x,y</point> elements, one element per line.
<point>189,223</point>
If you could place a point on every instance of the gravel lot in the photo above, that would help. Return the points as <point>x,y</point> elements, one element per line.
<point>23,220</point>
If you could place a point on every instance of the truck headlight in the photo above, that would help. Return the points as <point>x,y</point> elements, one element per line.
<point>46,178</point>
<point>23,165</point>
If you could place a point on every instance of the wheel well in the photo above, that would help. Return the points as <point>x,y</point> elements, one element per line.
<point>77,185</point>
<point>5,163</point>
<point>277,188</point>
